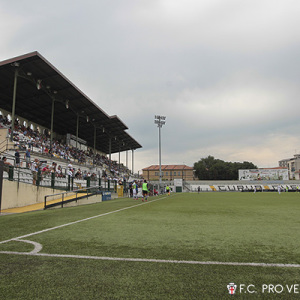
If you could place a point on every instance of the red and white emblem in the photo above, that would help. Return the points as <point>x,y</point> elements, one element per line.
<point>231,288</point>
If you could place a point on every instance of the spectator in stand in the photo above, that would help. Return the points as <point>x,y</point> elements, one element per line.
<point>34,169</point>
<point>17,158</point>
<point>53,167</point>
<point>70,170</point>
<point>78,174</point>
<point>6,164</point>
<point>27,158</point>
<point>46,170</point>
<point>59,172</point>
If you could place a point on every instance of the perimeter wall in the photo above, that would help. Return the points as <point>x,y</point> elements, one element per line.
<point>21,194</point>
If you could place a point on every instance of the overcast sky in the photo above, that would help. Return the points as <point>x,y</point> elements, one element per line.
<point>225,73</point>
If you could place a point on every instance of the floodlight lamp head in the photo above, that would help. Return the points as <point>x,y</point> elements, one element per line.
<point>39,84</point>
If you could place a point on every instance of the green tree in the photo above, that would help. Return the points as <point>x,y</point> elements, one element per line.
<point>210,168</point>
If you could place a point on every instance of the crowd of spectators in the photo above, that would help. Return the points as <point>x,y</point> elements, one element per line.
<point>28,140</point>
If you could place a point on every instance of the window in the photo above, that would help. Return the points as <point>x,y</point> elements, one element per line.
<point>156,174</point>
<point>293,166</point>
<point>178,173</point>
<point>167,173</point>
<point>174,173</point>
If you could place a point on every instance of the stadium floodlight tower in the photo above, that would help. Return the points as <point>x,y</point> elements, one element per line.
<point>160,121</point>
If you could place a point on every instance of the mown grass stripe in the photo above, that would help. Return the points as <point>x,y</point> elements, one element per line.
<point>191,262</point>
<point>78,221</point>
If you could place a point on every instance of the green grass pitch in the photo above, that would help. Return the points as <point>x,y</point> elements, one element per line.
<point>262,228</point>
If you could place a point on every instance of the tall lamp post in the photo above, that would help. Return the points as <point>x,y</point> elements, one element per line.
<point>160,121</point>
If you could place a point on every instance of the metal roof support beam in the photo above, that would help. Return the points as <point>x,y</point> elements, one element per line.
<point>127,159</point>
<point>95,139</point>
<point>52,118</point>
<point>132,161</point>
<point>14,104</point>
<point>109,152</point>
<point>77,129</point>
<point>119,157</point>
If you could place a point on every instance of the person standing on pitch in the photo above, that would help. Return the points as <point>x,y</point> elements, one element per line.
<point>279,189</point>
<point>168,190</point>
<point>134,191</point>
<point>145,190</point>
<point>137,189</point>
<point>131,189</point>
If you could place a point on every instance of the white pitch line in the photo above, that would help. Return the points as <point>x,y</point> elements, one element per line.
<point>37,246</point>
<point>75,222</point>
<point>191,262</point>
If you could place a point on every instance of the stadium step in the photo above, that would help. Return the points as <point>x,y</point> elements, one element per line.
<point>32,207</point>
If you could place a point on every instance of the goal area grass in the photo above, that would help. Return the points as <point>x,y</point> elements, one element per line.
<point>183,246</point>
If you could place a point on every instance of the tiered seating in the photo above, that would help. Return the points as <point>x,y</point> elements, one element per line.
<point>62,155</point>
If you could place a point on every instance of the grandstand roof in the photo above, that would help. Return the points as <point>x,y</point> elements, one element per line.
<point>39,82</point>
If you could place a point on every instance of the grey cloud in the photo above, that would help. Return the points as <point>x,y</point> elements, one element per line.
<point>223,72</point>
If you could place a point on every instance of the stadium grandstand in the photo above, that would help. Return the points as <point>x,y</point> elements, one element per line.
<point>45,118</point>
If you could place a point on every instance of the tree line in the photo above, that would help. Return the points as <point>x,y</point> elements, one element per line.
<point>210,168</point>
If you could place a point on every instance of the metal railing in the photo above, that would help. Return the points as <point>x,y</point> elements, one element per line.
<point>4,145</point>
<point>62,198</point>
<point>50,180</point>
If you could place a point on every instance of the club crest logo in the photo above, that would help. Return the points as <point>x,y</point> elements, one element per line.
<point>231,288</point>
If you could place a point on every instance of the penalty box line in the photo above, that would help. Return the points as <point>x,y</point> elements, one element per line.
<point>190,262</point>
<point>78,221</point>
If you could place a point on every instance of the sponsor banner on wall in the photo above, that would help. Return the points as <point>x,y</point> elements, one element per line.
<point>177,182</point>
<point>264,174</point>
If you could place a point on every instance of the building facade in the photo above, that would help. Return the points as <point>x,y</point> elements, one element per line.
<point>169,172</point>
<point>293,166</point>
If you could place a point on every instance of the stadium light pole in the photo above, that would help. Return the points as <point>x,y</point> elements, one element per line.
<point>160,121</point>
